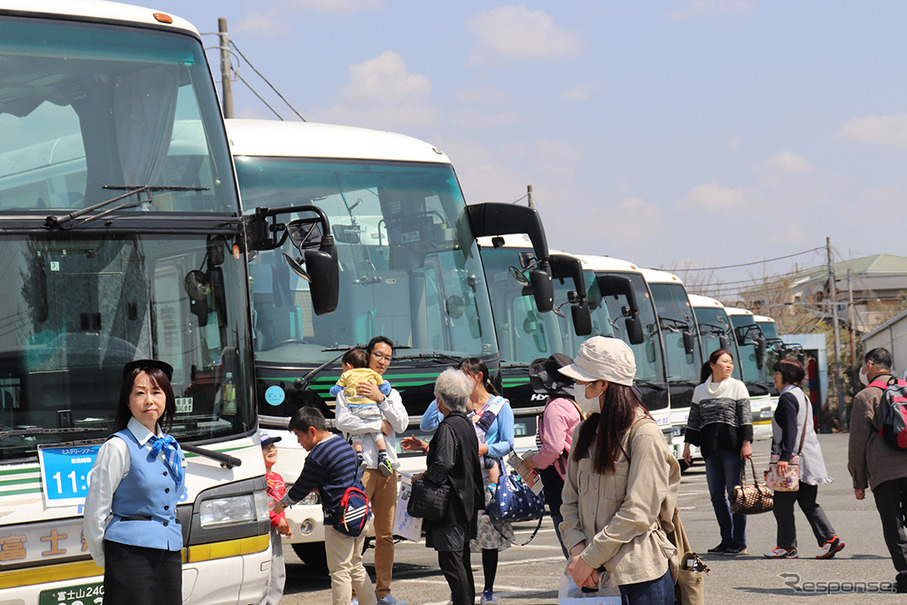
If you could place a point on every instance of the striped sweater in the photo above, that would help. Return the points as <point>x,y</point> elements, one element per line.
<point>720,417</point>
<point>331,468</point>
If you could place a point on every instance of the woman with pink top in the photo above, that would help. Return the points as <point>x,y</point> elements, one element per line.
<point>556,426</point>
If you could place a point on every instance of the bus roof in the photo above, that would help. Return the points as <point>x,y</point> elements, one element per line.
<point>273,138</point>
<point>698,301</point>
<point>606,263</point>
<point>98,10</point>
<point>737,311</point>
<point>656,276</point>
<point>763,319</point>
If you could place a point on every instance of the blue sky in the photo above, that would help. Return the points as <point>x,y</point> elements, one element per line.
<point>673,134</point>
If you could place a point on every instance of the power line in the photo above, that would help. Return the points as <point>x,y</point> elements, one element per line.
<point>240,78</point>
<point>249,63</point>
<point>759,262</point>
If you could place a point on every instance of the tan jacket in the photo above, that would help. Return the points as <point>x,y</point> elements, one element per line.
<point>870,460</point>
<point>620,515</point>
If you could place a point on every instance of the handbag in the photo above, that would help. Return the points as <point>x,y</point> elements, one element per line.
<point>689,575</point>
<point>513,500</point>
<point>428,501</point>
<point>789,479</point>
<point>751,499</point>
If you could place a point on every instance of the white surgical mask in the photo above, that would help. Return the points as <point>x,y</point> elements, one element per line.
<point>864,379</point>
<point>587,405</point>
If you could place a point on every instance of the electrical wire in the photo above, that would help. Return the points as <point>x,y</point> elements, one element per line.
<point>260,75</point>
<point>258,95</point>
<point>759,262</point>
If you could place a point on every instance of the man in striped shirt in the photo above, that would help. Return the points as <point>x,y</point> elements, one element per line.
<point>330,467</point>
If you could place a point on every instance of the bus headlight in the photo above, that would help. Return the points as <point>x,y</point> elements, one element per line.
<point>227,511</point>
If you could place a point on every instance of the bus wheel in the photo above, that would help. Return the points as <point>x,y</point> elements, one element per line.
<point>312,554</point>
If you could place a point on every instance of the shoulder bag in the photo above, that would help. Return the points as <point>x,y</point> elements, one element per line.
<point>751,499</point>
<point>428,500</point>
<point>789,479</point>
<point>513,500</point>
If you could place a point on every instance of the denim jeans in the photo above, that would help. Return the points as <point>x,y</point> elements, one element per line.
<point>653,592</point>
<point>722,471</point>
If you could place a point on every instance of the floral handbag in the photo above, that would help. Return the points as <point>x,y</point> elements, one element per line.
<point>789,479</point>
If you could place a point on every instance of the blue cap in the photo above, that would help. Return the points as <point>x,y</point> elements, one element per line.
<point>266,439</point>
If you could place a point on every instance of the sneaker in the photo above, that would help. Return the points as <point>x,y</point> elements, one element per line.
<point>387,469</point>
<point>355,601</point>
<point>389,599</point>
<point>832,546</point>
<point>781,553</point>
<point>488,598</point>
<point>733,551</point>
<point>718,549</point>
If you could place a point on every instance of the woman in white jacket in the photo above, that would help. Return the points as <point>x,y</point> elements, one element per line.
<point>791,424</point>
<point>621,485</point>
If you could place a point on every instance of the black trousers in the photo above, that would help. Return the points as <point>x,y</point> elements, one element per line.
<point>784,515</point>
<point>458,571</point>
<point>891,502</point>
<point>134,575</point>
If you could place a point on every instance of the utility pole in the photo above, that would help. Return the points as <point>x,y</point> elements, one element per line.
<point>853,346</point>
<point>529,195</point>
<point>839,387</point>
<point>226,69</point>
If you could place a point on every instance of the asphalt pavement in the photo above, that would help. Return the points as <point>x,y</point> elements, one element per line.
<point>531,574</point>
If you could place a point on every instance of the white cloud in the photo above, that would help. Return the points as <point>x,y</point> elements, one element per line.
<point>487,95</point>
<point>475,118</point>
<point>384,79</point>
<point>734,143</point>
<point>519,33</point>
<point>888,131</point>
<point>787,162</point>
<point>710,8</point>
<point>558,158</point>
<point>712,196</point>
<point>583,91</point>
<point>263,24</point>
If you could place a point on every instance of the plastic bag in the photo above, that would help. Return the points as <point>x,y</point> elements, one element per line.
<point>571,594</point>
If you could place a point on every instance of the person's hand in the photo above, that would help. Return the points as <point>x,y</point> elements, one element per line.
<point>386,427</point>
<point>582,573</point>
<point>284,528</point>
<point>687,455</point>
<point>859,493</point>
<point>746,452</point>
<point>413,444</point>
<point>483,449</point>
<point>782,466</point>
<point>528,462</point>
<point>370,390</point>
<point>278,507</point>
<point>418,476</point>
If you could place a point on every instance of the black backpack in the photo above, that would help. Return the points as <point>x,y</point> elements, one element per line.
<point>354,512</point>
<point>893,411</point>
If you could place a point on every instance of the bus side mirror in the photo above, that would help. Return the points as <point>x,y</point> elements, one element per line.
<point>634,330</point>
<point>582,318</point>
<point>542,287</point>
<point>724,342</point>
<point>324,272</point>
<point>689,342</point>
<point>650,351</point>
<point>760,352</point>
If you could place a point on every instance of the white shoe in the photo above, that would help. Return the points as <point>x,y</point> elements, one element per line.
<point>488,598</point>
<point>390,600</point>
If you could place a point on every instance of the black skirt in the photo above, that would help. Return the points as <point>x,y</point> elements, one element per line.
<point>135,575</point>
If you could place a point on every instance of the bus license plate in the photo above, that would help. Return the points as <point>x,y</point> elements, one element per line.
<point>83,594</point>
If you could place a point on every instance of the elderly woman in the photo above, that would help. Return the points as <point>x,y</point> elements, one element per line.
<point>453,458</point>
<point>621,484</point>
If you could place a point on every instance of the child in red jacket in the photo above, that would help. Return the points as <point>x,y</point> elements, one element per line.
<point>277,489</point>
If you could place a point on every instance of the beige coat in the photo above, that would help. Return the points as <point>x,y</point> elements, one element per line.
<point>620,515</point>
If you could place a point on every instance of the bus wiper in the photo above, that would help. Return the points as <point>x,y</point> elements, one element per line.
<point>658,386</point>
<point>46,431</point>
<point>226,460</point>
<point>57,222</point>
<point>435,356</point>
<point>686,383</point>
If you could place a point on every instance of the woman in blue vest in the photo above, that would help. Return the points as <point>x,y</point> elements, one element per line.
<point>130,525</point>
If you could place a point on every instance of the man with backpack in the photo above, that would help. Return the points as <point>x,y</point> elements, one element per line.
<point>330,467</point>
<point>875,458</point>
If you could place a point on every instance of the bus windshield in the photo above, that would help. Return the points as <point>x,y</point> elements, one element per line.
<point>713,323</point>
<point>748,365</point>
<point>92,112</point>
<point>649,365</point>
<point>409,266</point>
<point>676,316</point>
<point>74,310</point>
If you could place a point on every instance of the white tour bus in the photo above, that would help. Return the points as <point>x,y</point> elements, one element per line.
<point>753,348</point>
<point>683,352</point>
<point>409,270</point>
<point>118,245</point>
<point>623,290</point>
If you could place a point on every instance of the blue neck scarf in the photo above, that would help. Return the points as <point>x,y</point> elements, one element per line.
<point>167,444</point>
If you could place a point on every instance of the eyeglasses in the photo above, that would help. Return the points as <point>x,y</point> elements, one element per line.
<point>381,356</point>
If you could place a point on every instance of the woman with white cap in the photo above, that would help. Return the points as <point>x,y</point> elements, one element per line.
<point>621,484</point>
